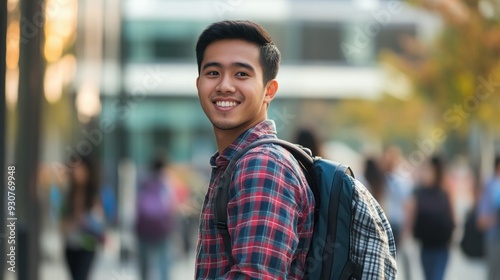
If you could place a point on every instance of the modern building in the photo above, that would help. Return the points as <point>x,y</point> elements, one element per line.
<point>329,51</point>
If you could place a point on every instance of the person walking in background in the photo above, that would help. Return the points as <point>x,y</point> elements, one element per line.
<point>489,220</point>
<point>472,243</point>
<point>270,214</point>
<point>374,179</point>
<point>397,193</point>
<point>82,219</point>
<point>433,220</point>
<point>155,221</point>
<point>395,200</point>
<point>307,138</point>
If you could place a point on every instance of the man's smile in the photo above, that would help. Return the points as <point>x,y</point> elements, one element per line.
<point>225,105</point>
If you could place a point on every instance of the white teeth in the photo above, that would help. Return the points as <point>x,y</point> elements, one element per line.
<point>226,103</point>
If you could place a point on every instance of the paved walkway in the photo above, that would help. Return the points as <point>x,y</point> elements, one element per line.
<point>108,267</point>
<point>459,266</point>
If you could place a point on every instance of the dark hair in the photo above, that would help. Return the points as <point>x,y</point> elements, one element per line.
<point>252,32</point>
<point>158,162</point>
<point>497,161</point>
<point>437,167</point>
<point>374,177</point>
<point>91,192</point>
<point>308,139</point>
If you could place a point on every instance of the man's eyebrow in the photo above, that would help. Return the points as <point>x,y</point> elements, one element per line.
<point>211,64</point>
<point>244,65</point>
<point>235,64</point>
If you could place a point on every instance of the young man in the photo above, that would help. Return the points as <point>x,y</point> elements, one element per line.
<point>270,210</point>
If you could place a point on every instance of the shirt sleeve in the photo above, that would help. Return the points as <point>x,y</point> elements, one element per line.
<point>263,215</point>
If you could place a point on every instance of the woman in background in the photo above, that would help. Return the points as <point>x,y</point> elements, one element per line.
<point>82,219</point>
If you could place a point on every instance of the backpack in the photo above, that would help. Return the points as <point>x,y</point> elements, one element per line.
<point>433,223</point>
<point>155,215</point>
<point>352,238</point>
<point>472,243</point>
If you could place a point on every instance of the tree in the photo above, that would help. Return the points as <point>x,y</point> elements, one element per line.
<point>458,74</point>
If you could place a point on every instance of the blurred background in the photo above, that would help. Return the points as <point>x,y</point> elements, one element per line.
<point>113,82</point>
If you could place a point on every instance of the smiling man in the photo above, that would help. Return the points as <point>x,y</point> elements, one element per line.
<point>271,208</point>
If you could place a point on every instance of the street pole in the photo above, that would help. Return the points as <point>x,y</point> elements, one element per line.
<point>31,74</point>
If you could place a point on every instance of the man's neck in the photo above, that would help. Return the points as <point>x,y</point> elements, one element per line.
<point>224,139</point>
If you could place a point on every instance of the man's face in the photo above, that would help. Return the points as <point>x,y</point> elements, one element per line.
<point>231,88</point>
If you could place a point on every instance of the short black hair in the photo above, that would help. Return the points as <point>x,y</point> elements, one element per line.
<point>246,30</point>
<point>437,166</point>
<point>159,160</point>
<point>308,139</point>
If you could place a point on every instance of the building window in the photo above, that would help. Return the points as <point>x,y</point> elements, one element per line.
<point>320,42</point>
<point>156,41</point>
<point>391,36</point>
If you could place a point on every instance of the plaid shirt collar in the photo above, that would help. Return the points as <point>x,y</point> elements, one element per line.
<point>264,129</point>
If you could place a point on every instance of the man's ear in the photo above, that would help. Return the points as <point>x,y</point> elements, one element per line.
<point>271,89</point>
<point>198,85</point>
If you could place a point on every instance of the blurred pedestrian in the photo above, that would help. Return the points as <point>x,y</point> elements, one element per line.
<point>374,179</point>
<point>489,220</point>
<point>396,196</point>
<point>82,220</point>
<point>155,221</point>
<point>472,242</point>
<point>309,139</point>
<point>180,179</point>
<point>433,220</point>
<point>398,191</point>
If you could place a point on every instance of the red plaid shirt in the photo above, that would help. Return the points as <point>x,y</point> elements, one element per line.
<point>270,214</point>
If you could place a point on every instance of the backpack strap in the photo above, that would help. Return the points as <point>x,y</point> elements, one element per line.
<point>333,212</point>
<point>301,154</point>
<point>222,194</point>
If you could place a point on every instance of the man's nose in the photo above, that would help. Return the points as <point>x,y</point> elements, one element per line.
<point>225,85</point>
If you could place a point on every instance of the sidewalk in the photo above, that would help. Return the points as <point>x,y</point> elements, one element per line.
<point>459,267</point>
<point>106,265</point>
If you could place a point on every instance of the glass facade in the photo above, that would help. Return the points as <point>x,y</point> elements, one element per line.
<point>306,42</point>
<point>170,117</point>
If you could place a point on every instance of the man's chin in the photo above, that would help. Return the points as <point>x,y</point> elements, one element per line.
<point>225,125</point>
<point>233,125</point>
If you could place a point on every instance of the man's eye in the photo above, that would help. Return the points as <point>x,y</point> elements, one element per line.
<point>241,74</point>
<point>212,73</point>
